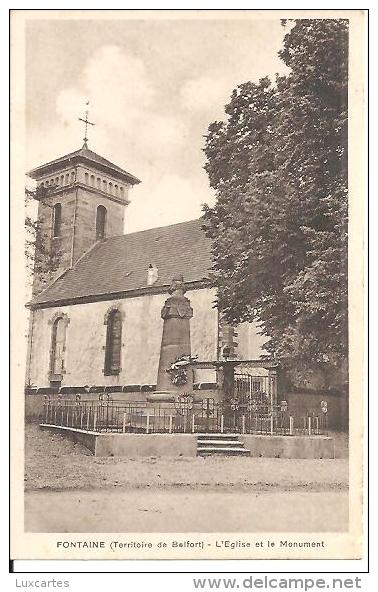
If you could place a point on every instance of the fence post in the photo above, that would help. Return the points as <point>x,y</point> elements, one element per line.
<point>170,424</point>
<point>309,425</point>
<point>271,425</point>
<point>94,420</point>
<point>193,424</point>
<point>147,423</point>
<point>222,423</point>
<point>317,424</point>
<point>185,423</point>
<point>81,419</point>
<point>87,420</point>
<point>291,425</point>
<point>243,424</point>
<point>124,423</point>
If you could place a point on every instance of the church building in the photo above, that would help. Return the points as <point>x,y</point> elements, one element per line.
<point>97,321</point>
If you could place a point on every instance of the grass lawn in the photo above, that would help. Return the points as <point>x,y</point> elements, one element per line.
<point>56,463</point>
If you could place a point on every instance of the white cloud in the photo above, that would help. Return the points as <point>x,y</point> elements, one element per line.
<point>207,94</point>
<point>173,199</point>
<point>122,101</point>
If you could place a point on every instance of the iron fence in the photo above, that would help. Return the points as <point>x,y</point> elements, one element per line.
<point>184,416</point>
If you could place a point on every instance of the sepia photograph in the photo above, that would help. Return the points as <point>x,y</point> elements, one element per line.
<point>185,218</point>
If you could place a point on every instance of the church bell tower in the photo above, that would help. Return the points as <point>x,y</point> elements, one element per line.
<point>82,198</point>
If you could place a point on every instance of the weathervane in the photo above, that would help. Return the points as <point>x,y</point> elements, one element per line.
<point>87,122</point>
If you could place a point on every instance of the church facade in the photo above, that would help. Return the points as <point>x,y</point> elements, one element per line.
<point>97,321</point>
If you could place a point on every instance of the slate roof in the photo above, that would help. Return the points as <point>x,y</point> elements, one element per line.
<point>84,154</point>
<point>120,264</point>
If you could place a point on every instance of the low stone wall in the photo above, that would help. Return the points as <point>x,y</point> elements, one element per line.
<point>146,445</point>
<point>88,439</point>
<point>131,445</point>
<point>175,445</point>
<point>289,446</point>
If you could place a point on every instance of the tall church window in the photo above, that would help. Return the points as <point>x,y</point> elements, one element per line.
<point>57,220</point>
<point>58,347</point>
<point>100,222</point>
<point>113,343</point>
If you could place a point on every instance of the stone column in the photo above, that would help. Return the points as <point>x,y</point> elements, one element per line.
<point>273,386</point>
<point>175,342</point>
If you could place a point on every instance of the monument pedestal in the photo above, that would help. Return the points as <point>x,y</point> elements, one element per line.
<point>175,374</point>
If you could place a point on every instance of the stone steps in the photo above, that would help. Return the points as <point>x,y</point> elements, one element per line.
<point>214,442</point>
<point>220,444</point>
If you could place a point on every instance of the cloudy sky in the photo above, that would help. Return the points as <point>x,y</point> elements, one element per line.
<point>154,86</point>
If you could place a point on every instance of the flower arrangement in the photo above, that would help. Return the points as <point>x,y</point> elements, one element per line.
<point>178,370</point>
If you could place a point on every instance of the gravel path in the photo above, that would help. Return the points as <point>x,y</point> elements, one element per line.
<point>185,511</point>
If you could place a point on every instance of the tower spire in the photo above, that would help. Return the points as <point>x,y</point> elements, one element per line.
<point>86,122</point>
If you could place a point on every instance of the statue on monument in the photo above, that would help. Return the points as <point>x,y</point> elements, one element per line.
<point>177,306</point>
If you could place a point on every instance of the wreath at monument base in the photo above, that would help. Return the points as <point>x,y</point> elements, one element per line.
<point>178,370</point>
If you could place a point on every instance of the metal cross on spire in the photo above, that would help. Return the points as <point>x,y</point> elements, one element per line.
<point>87,122</point>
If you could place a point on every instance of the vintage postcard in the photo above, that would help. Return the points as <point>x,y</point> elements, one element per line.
<point>188,197</point>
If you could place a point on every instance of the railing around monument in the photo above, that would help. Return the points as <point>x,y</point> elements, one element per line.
<point>194,417</point>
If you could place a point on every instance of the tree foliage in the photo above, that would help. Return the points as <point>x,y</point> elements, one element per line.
<point>42,257</point>
<point>279,226</point>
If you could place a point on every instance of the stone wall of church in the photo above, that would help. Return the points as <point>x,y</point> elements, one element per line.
<point>141,337</point>
<point>85,222</point>
<point>61,244</point>
<point>250,343</point>
<point>79,192</point>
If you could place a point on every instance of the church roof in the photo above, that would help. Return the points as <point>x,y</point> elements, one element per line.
<point>119,265</point>
<point>87,156</point>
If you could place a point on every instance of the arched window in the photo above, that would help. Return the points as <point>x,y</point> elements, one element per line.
<point>121,190</point>
<point>58,347</point>
<point>62,179</point>
<point>110,187</point>
<point>113,343</point>
<point>92,180</point>
<point>116,189</point>
<point>67,178</point>
<point>57,220</point>
<point>72,177</point>
<point>100,222</point>
<point>104,185</point>
<point>98,183</point>
<point>86,177</point>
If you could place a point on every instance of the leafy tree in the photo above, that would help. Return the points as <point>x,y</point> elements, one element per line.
<point>279,225</point>
<point>42,257</point>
